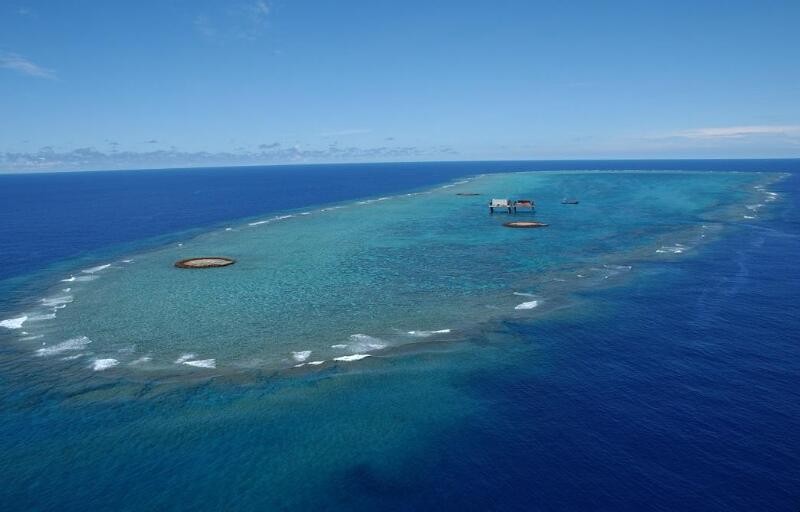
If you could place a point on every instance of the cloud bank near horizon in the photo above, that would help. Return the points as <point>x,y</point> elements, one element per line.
<point>90,158</point>
<point>741,141</point>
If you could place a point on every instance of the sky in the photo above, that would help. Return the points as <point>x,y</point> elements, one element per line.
<point>174,83</point>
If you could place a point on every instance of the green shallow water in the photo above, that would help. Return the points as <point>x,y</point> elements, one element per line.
<point>371,276</point>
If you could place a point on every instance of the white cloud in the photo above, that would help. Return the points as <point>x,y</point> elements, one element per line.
<point>260,9</point>
<point>233,20</point>
<point>22,65</point>
<point>737,132</point>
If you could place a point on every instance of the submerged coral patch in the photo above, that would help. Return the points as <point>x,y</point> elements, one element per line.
<point>205,262</point>
<point>525,224</point>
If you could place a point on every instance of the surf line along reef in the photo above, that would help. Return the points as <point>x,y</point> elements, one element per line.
<point>315,284</point>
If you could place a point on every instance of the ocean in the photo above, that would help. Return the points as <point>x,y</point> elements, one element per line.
<point>384,343</point>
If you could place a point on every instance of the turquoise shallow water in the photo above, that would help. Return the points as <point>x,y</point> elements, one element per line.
<point>343,282</point>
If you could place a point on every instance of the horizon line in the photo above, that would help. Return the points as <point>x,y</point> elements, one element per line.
<point>339,164</point>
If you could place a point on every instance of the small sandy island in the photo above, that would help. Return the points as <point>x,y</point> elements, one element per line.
<point>525,224</point>
<point>206,262</point>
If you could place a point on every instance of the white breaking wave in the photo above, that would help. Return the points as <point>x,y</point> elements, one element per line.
<point>185,357</point>
<point>315,363</point>
<point>143,359</point>
<point>99,365</point>
<point>527,305</point>
<point>310,363</point>
<point>365,343</point>
<point>31,338</point>
<point>98,268</point>
<point>354,357</point>
<point>339,345</point>
<point>370,201</point>
<point>72,358</point>
<point>57,301</point>
<point>13,323</point>
<point>523,294</point>
<point>36,318</point>
<point>78,343</point>
<point>301,355</point>
<point>189,360</point>
<point>674,249</point>
<point>425,334</point>
<point>267,221</point>
<point>202,363</point>
<point>72,279</point>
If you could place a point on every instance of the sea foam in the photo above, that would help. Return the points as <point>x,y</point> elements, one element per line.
<point>202,363</point>
<point>267,221</point>
<point>78,343</point>
<point>425,334</point>
<point>57,301</point>
<point>81,279</point>
<point>301,355</point>
<point>185,357</point>
<point>98,268</point>
<point>99,365</point>
<point>14,323</point>
<point>37,318</point>
<point>527,305</point>
<point>365,343</point>
<point>310,363</point>
<point>673,249</point>
<point>354,357</point>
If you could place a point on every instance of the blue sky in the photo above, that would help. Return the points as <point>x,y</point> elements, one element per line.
<point>89,84</point>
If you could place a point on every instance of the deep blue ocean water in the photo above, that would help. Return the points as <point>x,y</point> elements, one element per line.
<point>675,390</point>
